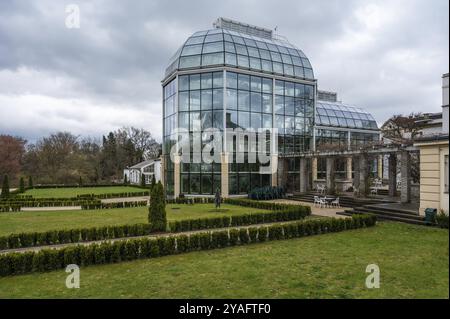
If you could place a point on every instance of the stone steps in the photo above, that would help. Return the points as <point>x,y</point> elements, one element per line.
<point>389,214</point>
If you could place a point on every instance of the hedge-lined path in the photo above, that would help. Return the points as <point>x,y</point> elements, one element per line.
<point>155,235</point>
<point>318,211</point>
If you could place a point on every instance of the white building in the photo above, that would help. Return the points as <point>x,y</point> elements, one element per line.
<point>148,168</point>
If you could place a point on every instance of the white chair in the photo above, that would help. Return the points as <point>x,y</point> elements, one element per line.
<point>316,201</point>
<point>336,203</point>
<point>323,202</point>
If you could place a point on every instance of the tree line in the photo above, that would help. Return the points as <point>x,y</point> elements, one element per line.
<point>64,158</point>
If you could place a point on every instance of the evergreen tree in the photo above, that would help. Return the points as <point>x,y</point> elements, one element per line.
<point>125,180</point>
<point>30,182</point>
<point>5,187</point>
<point>157,210</point>
<point>22,185</point>
<point>80,182</point>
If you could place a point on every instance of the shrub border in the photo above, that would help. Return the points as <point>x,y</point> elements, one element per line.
<point>133,249</point>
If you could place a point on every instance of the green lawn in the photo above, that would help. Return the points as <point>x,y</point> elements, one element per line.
<point>413,261</point>
<point>74,191</point>
<point>44,221</point>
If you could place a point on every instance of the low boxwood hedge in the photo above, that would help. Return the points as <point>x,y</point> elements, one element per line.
<point>293,212</point>
<point>132,249</point>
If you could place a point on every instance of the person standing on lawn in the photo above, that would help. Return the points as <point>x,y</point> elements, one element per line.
<point>217,198</point>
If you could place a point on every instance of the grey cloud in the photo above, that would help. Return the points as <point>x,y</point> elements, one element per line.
<point>118,56</point>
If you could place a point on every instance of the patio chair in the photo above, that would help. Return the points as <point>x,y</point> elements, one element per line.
<point>316,200</point>
<point>323,202</point>
<point>336,203</point>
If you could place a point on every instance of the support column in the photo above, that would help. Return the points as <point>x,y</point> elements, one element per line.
<point>392,174</point>
<point>274,175</point>
<point>357,172</point>
<point>405,170</point>
<point>224,188</point>
<point>176,175</point>
<point>282,172</point>
<point>363,175</point>
<point>380,167</point>
<point>349,169</point>
<point>331,187</point>
<point>303,176</point>
<point>314,169</point>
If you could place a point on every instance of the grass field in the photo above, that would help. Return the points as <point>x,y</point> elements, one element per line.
<point>73,192</point>
<point>413,263</point>
<point>54,220</point>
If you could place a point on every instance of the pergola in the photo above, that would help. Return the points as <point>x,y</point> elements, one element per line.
<point>360,158</point>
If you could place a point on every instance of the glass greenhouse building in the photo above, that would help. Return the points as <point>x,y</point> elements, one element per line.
<point>241,76</point>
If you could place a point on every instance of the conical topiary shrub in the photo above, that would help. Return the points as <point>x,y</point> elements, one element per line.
<point>157,210</point>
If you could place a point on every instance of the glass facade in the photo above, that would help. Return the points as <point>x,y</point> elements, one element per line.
<point>224,79</point>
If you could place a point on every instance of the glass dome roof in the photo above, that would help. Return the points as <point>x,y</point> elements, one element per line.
<point>225,47</point>
<point>342,115</point>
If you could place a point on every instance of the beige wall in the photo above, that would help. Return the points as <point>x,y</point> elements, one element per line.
<point>432,176</point>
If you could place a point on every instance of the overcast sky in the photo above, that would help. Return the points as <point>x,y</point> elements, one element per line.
<point>385,56</point>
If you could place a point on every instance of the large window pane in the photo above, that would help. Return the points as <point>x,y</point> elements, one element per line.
<point>255,101</point>
<point>206,184</point>
<point>243,101</point>
<point>212,59</point>
<point>242,61</point>
<point>231,99</point>
<point>217,98</point>
<point>218,79</point>
<point>232,119</point>
<point>190,61</point>
<point>213,47</point>
<point>194,81</point>
<point>243,82</point>
<point>183,101</point>
<point>206,80</point>
<point>206,120</point>
<point>183,82</point>
<point>194,100</point>
<point>255,84</point>
<point>206,99</point>
<point>218,120</point>
<point>192,50</point>
<point>267,103</point>
<point>279,104</point>
<point>244,120</point>
<point>256,120</point>
<point>183,120</point>
<point>231,80</point>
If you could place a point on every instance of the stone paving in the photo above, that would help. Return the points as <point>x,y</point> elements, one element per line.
<point>315,210</point>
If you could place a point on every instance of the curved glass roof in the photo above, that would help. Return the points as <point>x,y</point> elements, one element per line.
<point>342,115</point>
<point>225,47</point>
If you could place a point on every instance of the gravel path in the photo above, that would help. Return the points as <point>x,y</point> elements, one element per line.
<point>323,212</point>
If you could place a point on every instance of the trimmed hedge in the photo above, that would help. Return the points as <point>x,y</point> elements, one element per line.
<point>261,205</point>
<point>114,205</point>
<point>190,200</point>
<point>67,236</point>
<point>113,252</point>
<point>48,202</point>
<point>294,212</point>
<point>113,195</point>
